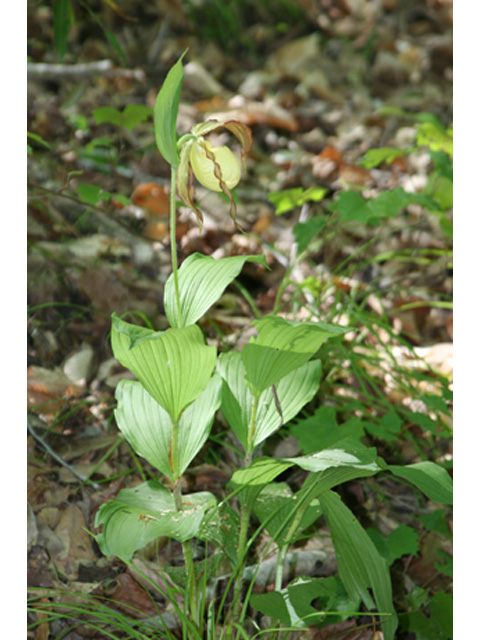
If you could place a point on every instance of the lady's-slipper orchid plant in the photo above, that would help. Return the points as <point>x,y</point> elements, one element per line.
<point>216,168</point>
<point>166,416</point>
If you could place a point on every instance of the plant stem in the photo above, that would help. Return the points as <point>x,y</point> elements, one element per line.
<point>282,551</point>
<point>186,546</point>
<point>191,581</point>
<point>245,512</point>
<point>188,557</point>
<point>251,431</point>
<point>242,545</point>
<point>173,239</point>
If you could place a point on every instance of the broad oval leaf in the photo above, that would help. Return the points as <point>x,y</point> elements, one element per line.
<point>145,424</point>
<point>350,458</point>
<point>148,427</point>
<point>282,346</point>
<point>196,422</point>
<point>236,396</point>
<point>262,471</point>
<point>292,392</point>
<point>174,365</point>
<point>144,513</point>
<point>166,111</point>
<point>201,280</point>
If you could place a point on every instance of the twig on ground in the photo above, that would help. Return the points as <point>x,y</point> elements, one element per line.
<point>46,70</point>
<point>56,457</point>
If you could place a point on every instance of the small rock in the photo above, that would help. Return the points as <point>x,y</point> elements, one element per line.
<point>198,79</point>
<point>78,366</point>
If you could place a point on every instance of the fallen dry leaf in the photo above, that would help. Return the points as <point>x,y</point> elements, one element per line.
<point>42,631</point>
<point>438,356</point>
<point>152,197</point>
<point>354,174</point>
<point>136,600</point>
<point>49,388</point>
<point>105,291</point>
<point>77,543</point>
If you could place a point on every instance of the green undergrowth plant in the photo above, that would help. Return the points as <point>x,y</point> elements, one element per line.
<point>351,207</point>
<point>414,419</point>
<point>64,21</point>
<point>166,415</point>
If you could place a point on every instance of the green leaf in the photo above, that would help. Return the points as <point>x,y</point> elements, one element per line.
<point>388,428</point>
<point>423,420</point>
<point>439,623</point>
<point>131,115</point>
<point>437,139</point>
<point>166,111</point>
<point>446,226</point>
<point>360,566</point>
<point>89,193</point>
<point>112,39</point>
<point>221,527</point>
<point>321,430</point>
<point>293,391</point>
<point>202,280</point>
<point>282,346</point>
<point>285,200</point>
<point>107,114</point>
<point>275,508</point>
<point>352,454</point>
<point>262,471</point>
<point>148,427</point>
<point>388,203</point>
<point>134,333</point>
<point>319,482</point>
<point>444,563</point>
<point>292,605</point>
<point>401,541</point>
<point>440,190</point>
<point>146,512</point>
<point>429,477</point>
<point>374,157</point>
<point>352,207</point>
<point>435,521</point>
<point>37,138</point>
<point>305,232</point>
<point>62,14</point>
<point>443,164</point>
<point>174,366</point>
<point>134,114</point>
<point>423,116</point>
<point>237,399</point>
<point>289,199</point>
<point>358,459</point>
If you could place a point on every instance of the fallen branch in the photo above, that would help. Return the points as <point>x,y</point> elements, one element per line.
<point>47,71</point>
<point>58,458</point>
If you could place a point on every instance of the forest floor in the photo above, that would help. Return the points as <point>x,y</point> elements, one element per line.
<point>321,84</point>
